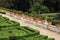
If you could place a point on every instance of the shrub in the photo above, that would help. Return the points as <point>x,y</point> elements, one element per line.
<point>44,9</point>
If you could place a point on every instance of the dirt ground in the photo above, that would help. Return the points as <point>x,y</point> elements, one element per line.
<point>43,31</point>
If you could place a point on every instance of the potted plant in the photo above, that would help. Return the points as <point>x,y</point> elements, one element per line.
<point>49,20</point>
<point>43,19</point>
<point>57,23</point>
<point>19,13</point>
<point>36,19</point>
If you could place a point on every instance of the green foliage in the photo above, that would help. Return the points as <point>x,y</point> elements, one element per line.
<point>35,6</point>
<point>49,19</point>
<point>44,9</point>
<point>26,13</point>
<point>42,6</point>
<point>42,17</point>
<point>5,22</point>
<point>56,22</point>
<point>57,16</point>
<point>38,7</point>
<point>2,13</point>
<point>51,15</point>
<point>6,3</point>
<point>50,39</point>
<point>53,5</point>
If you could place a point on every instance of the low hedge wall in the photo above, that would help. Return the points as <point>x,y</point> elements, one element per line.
<point>15,33</point>
<point>5,22</point>
<point>2,12</point>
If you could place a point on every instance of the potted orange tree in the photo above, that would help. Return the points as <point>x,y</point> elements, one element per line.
<point>57,23</point>
<point>19,13</point>
<point>49,20</point>
<point>43,19</point>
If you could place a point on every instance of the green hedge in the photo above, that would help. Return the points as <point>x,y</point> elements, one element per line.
<point>5,22</point>
<point>2,12</point>
<point>14,32</point>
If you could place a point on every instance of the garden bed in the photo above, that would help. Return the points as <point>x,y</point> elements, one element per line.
<point>18,32</point>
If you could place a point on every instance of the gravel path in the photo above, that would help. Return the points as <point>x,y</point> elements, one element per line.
<point>42,30</point>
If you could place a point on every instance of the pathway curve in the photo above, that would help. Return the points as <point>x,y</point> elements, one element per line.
<point>42,30</point>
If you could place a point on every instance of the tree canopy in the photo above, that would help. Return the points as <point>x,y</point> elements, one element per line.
<point>32,5</point>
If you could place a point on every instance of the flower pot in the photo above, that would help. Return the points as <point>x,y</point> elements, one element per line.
<point>42,21</point>
<point>57,25</point>
<point>30,17</point>
<point>17,14</point>
<point>49,23</point>
<point>36,19</point>
<point>26,17</point>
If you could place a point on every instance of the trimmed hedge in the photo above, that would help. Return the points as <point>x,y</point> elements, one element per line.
<point>14,33</point>
<point>5,22</point>
<point>2,12</point>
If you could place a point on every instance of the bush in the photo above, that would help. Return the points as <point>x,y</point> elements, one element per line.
<point>44,9</point>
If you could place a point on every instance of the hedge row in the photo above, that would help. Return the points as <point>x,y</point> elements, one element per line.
<point>17,33</point>
<point>2,12</point>
<point>5,22</point>
<point>20,33</point>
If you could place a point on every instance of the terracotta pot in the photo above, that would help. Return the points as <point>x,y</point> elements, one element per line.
<point>42,21</point>
<point>25,16</point>
<point>16,14</point>
<point>30,17</point>
<point>36,19</point>
<point>49,23</point>
<point>57,25</point>
<point>13,13</point>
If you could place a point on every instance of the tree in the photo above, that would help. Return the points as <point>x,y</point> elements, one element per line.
<point>53,5</point>
<point>25,5</point>
<point>38,7</point>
